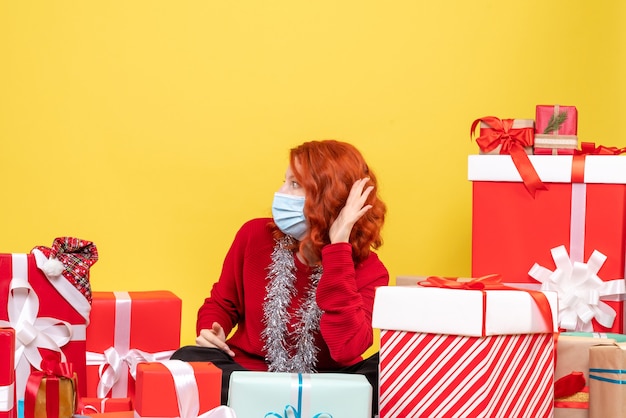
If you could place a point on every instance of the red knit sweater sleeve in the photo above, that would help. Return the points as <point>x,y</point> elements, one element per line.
<point>346,296</point>
<point>226,305</point>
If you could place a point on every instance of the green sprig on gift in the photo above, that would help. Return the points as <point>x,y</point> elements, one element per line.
<point>555,122</point>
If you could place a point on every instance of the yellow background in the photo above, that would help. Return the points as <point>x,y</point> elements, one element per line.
<point>155,128</point>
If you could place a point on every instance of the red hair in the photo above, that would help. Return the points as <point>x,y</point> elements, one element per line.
<point>327,170</point>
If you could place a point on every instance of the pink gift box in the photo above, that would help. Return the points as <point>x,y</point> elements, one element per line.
<point>134,327</point>
<point>556,130</point>
<point>8,405</point>
<point>545,114</point>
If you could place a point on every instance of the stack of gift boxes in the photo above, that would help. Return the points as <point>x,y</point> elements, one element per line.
<point>548,217</point>
<point>65,350</point>
<point>537,331</point>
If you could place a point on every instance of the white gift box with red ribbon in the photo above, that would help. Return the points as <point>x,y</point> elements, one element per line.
<point>454,352</point>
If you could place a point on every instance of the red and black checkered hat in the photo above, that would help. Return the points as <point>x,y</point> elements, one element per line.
<point>71,257</point>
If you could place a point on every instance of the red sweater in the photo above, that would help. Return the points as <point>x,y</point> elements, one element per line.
<point>345,294</point>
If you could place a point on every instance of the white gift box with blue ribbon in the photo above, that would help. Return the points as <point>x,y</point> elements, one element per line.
<point>299,395</point>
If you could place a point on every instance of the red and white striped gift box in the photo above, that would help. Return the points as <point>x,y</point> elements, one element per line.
<point>463,353</point>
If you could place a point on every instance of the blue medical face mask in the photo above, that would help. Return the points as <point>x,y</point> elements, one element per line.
<point>288,213</point>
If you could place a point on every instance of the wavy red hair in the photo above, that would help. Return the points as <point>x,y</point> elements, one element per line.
<point>327,170</point>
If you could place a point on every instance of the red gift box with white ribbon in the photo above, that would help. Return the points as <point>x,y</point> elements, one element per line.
<point>174,388</point>
<point>462,352</point>
<point>49,316</point>
<point>128,328</point>
<point>570,238</point>
<point>90,406</point>
<point>8,407</point>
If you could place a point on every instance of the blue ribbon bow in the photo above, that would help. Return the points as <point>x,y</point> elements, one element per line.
<point>297,412</point>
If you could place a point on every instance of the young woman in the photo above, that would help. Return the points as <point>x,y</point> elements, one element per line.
<point>299,287</point>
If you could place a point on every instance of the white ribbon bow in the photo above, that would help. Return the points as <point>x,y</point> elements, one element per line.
<point>115,366</point>
<point>580,290</point>
<point>187,394</point>
<point>31,332</point>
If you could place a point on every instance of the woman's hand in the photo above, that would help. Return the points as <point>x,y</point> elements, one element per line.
<point>353,210</point>
<point>215,338</point>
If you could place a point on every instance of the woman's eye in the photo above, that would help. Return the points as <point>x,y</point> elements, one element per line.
<point>295,184</point>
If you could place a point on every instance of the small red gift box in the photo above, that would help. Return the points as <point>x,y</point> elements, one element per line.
<point>50,307</point>
<point>7,373</point>
<point>556,120</point>
<point>556,130</point>
<point>127,328</point>
<point>162,387</point>
<point>92,406</point>
<point>577,225</point>
<point>51,393</point>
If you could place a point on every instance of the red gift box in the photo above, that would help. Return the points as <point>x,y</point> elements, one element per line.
<point>583,210</point>
<point>127,328</point>
<point>162,387</point>
<point>120,414</point>
<point>556,120</point>
<point>556,130</point>
<point>90,406</point>
<point>51,307</point>
<point>52,392</point>
<point>7,373</point>
<point>554,151</point>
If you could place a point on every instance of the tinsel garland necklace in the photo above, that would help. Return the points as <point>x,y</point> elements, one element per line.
<point>280,291</point>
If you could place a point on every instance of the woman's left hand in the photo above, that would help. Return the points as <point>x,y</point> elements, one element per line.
<point>353,210</point>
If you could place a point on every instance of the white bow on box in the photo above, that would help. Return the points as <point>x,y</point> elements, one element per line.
<point>580,290</point>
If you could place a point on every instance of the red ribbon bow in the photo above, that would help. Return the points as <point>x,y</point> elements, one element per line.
<point>589,148</point>
<point>513,141</point>
<point>491,282</point>
<point>51,367</point>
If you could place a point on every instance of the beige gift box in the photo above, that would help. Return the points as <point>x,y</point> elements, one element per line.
<point>607,380</point>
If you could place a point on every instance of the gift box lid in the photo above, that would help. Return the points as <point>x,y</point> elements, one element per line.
<point>460,312</point>
<point>610,169</point>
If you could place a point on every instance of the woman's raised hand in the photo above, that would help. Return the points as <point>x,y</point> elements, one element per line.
<point>353,210</point>
<point>215,338</point>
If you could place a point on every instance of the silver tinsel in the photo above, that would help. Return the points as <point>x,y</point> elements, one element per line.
<point>280,291</point>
